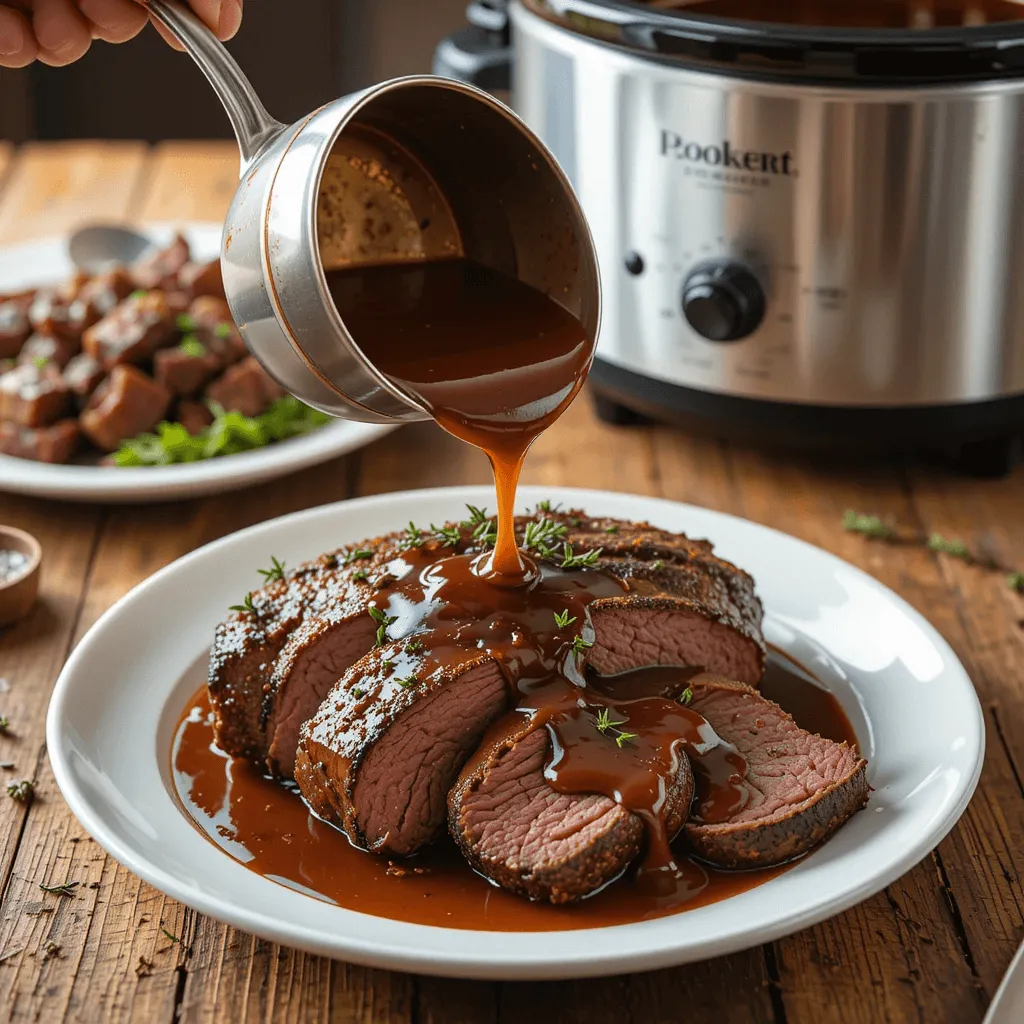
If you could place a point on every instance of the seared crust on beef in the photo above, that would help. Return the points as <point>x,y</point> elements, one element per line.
<point>380,755</point>
<point>803,786</point>
<point>698,610</point>
<point>519,832</point>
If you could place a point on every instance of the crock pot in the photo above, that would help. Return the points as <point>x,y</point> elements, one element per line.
<point>807,234</point>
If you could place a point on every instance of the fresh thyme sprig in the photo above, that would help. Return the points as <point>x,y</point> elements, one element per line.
<point>408,682</point>
<point>360,576</point>
<point>451,535</point>
<point>562,619</point>
<point>413,537</point>
<point>358,555</point>
<point>64,889</point>
<point>579,645</point>
<point>606,727</point>
<point>275,572</point>
<point>541,533</point>
<point>686,696</point>
<point>170,935</point>
<point>476,516</point>
<point>245,606</point>
<point>574,561</point>
<point>413,647</point>
<point>544,506</point>
<point>611,529</point>
<point>383,621</point>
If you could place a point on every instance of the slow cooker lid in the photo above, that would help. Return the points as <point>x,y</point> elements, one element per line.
<point>788,50</point>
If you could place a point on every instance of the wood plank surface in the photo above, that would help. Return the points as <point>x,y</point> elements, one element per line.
<point>932,947</point>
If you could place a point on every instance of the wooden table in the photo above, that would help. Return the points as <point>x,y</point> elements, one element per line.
<point>932,947</point>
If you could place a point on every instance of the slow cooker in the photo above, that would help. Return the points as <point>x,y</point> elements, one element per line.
<point>809,215</point>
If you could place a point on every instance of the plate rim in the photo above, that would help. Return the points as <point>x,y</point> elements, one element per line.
<point>573,962</point>
<point>168,483</point>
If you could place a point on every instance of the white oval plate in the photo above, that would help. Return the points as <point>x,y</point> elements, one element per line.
<point>46,261</point>
<point>910,700</point>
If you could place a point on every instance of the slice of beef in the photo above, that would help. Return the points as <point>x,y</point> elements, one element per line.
<point>55,443</point>
<point>183,371</point>
<point>803,787</point>
<point>132,331</point>
<point>83,375</point>
<point>522,834</point>
<point>193,416</point>
<point>160,268</point>
<point>382,752</point>
<point>33,396</point>
<point>323,647</point>
<point>247,644</point>
<point>45,348</point>
<point>202,279</point>
<point>126,404</point>
<point>245,387</point>
<point>14,328</point>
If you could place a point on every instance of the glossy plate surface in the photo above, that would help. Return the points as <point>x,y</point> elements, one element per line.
<point>909,699</point>
<point>46,262</point>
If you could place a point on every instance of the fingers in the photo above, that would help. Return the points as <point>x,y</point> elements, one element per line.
<point>223,16</point>
<point>62,34</point>
<point>17,42</point>
<point>113,21</point>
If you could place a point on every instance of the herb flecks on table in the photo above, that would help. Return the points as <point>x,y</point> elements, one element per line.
<point>876,528</point>
<point>61,889</point>
<point>22,790</point>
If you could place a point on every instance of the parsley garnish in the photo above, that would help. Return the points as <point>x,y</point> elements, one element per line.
<point>21,790</point>
<point>360,576</point>
<point>223,330</point>
<point>956,548</point>
<point>275,572</point>
<point>40,362</point>
<point>407,682</point>
<point>387,665</point>
<point>413,647</point>
<point>611,529</point>
<point>185,323</point>
<point>357,692</point>
<point>139,293</point>
<point>562,620</point>
<point>192,347</point>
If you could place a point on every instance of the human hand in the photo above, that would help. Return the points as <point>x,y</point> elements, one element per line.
<point>58,32</point>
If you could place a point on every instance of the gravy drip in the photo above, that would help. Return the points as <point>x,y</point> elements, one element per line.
<point>493,360</point>
<point>496,362</point>
<point>440,616</point>
<point>266,826</point>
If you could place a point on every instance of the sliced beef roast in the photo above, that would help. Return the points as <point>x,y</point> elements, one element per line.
<point>803,787</point>
<point>383,750</point>
<point>519,832</point>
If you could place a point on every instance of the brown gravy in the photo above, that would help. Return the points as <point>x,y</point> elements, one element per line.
<point>266,826</point>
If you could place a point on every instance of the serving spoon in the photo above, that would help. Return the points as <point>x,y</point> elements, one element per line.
<point>97,247</point>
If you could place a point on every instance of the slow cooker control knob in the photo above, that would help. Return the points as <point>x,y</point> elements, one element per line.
<point>722,300</point>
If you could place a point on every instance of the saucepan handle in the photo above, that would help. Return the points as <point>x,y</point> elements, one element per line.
<point>253,126</point>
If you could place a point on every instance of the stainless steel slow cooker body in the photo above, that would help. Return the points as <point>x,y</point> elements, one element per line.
<point>794,242</point>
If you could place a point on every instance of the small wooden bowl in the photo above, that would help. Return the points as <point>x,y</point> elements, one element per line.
<point>19,594</point>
